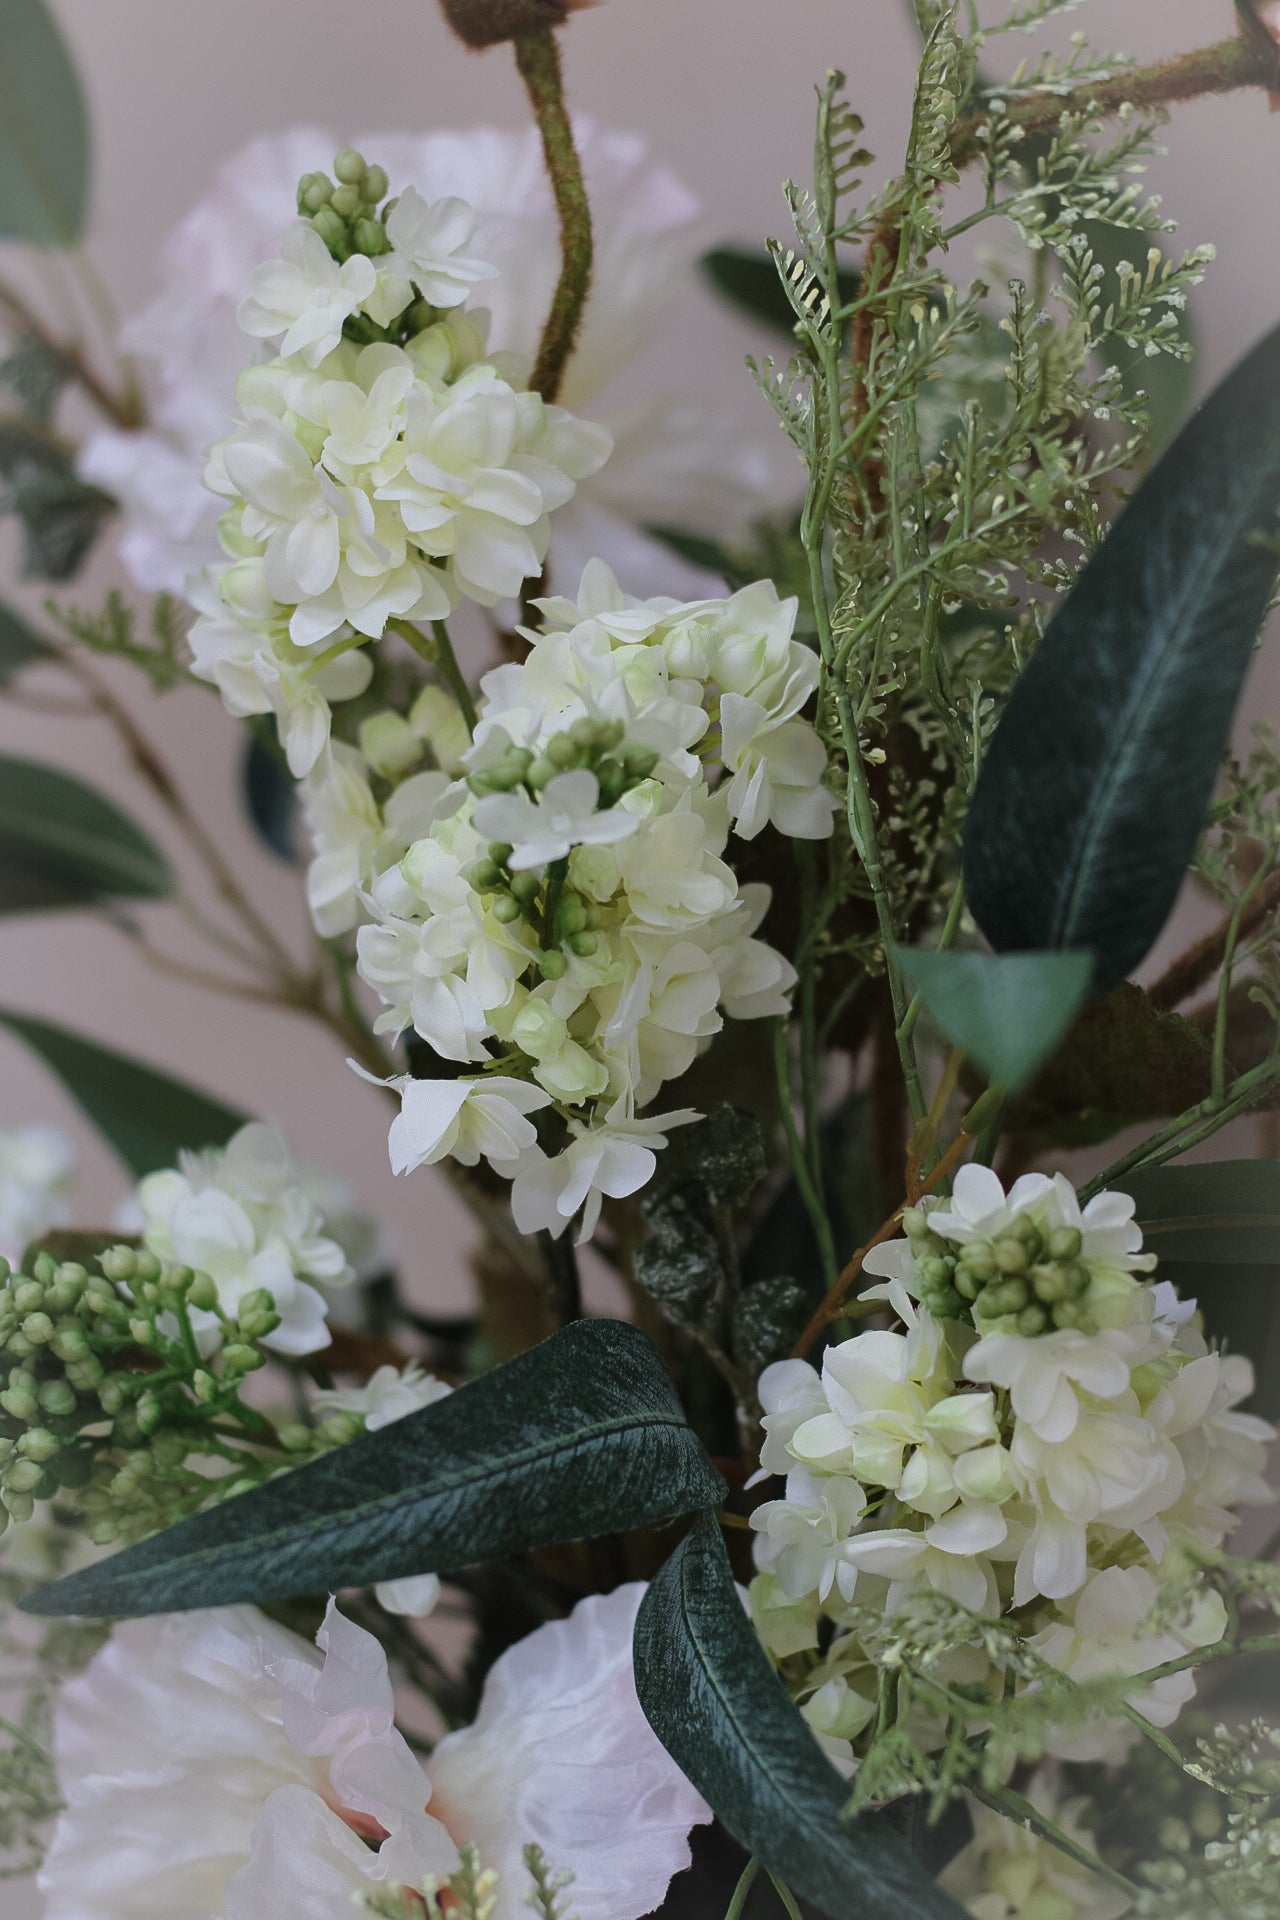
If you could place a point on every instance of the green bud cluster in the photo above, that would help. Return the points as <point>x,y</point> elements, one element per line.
<point>596,745</point>
<point>344,211</point>
<point>103,1393</point>
<point>1029,1278</point>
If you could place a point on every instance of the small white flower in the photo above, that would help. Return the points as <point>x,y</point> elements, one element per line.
<point>426,242</point>
<point>613,1160</point>
<point>1007,1872</point>
<point>564,814</point>
<point>949,1556</point>
<point>803,1538</point>
<point>303,298</point>
<point>466,1120</point>
<point>37,1180</point>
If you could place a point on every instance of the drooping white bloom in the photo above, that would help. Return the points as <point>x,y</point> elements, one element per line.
<point>611,1161</point>
<point>38,1170</point>
<point>466,1120</point>
<point>242,1214</point>
<point>211,1765</point>
<point>543,827</point>
<point>674,461</point>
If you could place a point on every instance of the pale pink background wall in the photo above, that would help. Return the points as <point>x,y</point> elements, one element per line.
<point>723,90</point>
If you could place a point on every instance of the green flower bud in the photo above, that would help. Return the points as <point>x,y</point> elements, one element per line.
<point>142,1332</point>
<point>1048,1284</point>
<point>20,1506</point>
<point>1010,1256</point>
<point>370,237</point>
<point>147,1265</point>
<point>28,1297</point>
<point>38,1444</point>
<point>38,1329</point>
<point>150,1412</point>
<point>1004,1296</point>
<point>500,851</point>
<point>56,1397</point>
<point>375,184</point>
<point>256,1326</point>
<point>332,228</point>
<point>965,1284</point>
<point>1032,1320</point>
<point>915,1223</point>
<point>114,1393</point>
<point>202,1293</point>
<point>935,1270</point>
<point>487,876</point>
<point>296,1438</point>
<point>22,1476</point>
<point>340,1428</point>
<point>314,190</point>
<point>563,751</point>
<point>542,769</point>
<point>86,1375</point>
<point>552,965</point>
<point>639,762</point>
<point>20,1348</point>
<point>348,202</point>
<point>243,1359</point>
<point>1065,1243</point>
<point>421,314</point>
<point>571,915</point>
<point>20,1402</point>
<point>65,1294</point>
<point>525,887</point>
<point>44,1268</point>
<point>506,910</point>
<point>582,944</point>
<point>349,167</point>
<point>104,1532</point>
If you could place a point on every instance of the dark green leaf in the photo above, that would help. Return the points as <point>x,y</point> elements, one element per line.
<point>749,281</point>
<point>716,1704</point>
<point>271,796</point>
<point>768,1317</point>
<point>63,845</point>
<point>581,1436</point>
<point>20,645</point>
<point>680,1265</point>
<point>35,374</point>
<point>725,1152</point>
<point>60,514</point>
<point>1007,1010</point>
<point>146,1115</point>
<point>1094,788</point>
<point>44,139</point>
<point>1223,1211</point>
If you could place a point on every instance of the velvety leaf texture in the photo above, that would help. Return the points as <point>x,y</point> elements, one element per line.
<point>1224,1211</point>
<point>579,1437</point>
<point>63,845</point>
<point>44,140</point>
<point>1008,1011</point>
<point>146,1115</point>
<point>712,1698</point>
<point>1094,788</point>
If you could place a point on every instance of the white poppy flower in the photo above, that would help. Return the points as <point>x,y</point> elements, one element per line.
<point>211,1765</point>
<point>303,298</point>
<point>37,1180</point>
<point>566,813</point>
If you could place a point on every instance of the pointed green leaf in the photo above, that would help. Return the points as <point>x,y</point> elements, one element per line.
<point>724,1716</point>
<point>271,796</point>
<point>20,645</point>
<point>1223,1211</point>
<point>581,1436</point>
<point>1094,788</point>
<point>44,138</point>
<point>146,1115</point>
<point>1007,1010</point>
<point>63,845</point>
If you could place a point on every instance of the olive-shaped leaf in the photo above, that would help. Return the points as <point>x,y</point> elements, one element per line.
<point>1007,1010</point>
<point>581,1436</point>
<point>724,1716</point>
<point>44,136</point>
<point>64,845</point>
<point>146,1115</point>
<point>1094,788</point>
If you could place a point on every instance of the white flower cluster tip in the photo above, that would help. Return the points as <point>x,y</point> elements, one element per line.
<point>1043,1472</point>
<point>383,465</point>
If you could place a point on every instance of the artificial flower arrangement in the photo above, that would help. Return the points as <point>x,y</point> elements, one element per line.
<point>765,917</point>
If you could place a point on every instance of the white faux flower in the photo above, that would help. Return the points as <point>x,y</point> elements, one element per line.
<point>803,1538</point>
<point>540,829</point>
<point>242,1215</point>
<point>426,247</point>
<point>464,1120</point>
<point>38,1171</point>
<point>1007,1872</point>
<point>302,298</point>
<point>674,461</point>
<point>612,1160</point>
<point>353,838</point>
<point>210,1764</point>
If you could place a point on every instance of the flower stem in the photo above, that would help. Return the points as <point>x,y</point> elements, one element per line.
<point>1193,1126</point>
<point>1020,1810</point>
<point>734,1909</point>
<point>438,652</point>
<point>538,59</point>
<point>786,1896</point>
<point>800,1166</point>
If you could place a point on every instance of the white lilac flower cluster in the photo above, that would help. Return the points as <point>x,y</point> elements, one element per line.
<point>38,1171</point>
<point>566,919</point>
<point>310,1799</point>
<point>383,466</point>
<point>1017,1465</point>
<point>251,1218</point>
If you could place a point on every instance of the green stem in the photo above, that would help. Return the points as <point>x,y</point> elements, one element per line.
<point>734,1909</point>
<point>1230,942</point>
<point>1020,1810</point>
<point>438,653</point>
<point>786,1896</point>
<point>538,59</point>
<point>799,1160</point>
<point>1193,1126</point>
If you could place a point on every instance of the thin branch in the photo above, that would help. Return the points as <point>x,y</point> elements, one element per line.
<point>122,409</point>
<point>1192,969</point>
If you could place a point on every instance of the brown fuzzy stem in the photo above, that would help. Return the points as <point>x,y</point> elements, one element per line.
<point>486,23</point>
<point>1250,60</point>
<point>538,58</point>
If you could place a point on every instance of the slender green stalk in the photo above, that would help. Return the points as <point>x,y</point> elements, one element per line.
<point>1190,1128</point>
<point>438,652</point>
<point>1230,943</point>
<point>538,59</point>
<point>746,1881</point>
<point>799,1159</point>
<point>1017,1808</point>
<point>786,1896</point>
